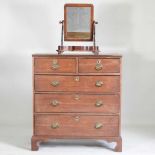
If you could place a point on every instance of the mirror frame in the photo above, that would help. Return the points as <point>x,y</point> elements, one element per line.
<point>66,38</point>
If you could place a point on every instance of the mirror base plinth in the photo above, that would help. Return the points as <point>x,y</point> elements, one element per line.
<point>94,49</point>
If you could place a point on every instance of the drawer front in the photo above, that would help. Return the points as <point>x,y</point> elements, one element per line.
<point>54,65</point>
<point>98,84</point>
<point>99,65</point>
<point>76,125</point>
<point>77,103</point>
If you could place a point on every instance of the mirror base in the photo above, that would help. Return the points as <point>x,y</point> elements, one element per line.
<point>94,49</point>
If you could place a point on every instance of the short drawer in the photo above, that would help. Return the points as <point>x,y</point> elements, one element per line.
<point>77,103</point>
<point>99,84</point>
<point>100,65</point>
<point>54,65</point>
<point>76,125</point>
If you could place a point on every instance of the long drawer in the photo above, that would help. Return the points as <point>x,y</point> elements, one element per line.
<point>77,103</point>
<point>98,84</point>
<point>76,125</point>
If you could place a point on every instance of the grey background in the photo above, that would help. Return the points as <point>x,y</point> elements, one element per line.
<point>126,27</point>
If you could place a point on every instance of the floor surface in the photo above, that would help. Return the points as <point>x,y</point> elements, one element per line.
<point>136,141</point>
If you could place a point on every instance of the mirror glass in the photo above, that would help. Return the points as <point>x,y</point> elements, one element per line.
<point>78,23</point>
<point>75,16</point>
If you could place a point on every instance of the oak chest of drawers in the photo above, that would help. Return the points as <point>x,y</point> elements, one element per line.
<point>76,97</point>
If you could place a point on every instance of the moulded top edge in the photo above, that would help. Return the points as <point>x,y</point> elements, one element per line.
<point>73,55</point>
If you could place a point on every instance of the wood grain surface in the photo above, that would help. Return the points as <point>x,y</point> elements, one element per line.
<point>44,65</point>
<point>69,125</point>
<point>77,103</point>
<point>85,83</point>
<point>108,65</point>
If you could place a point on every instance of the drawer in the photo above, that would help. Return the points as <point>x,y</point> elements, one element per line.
<point>99,65</point>
<point>76,125</point>
<point>77,103</point>
<point>54,65</point>
<point>98,84</point>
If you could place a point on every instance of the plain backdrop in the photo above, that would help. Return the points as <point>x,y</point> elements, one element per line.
<point>125,27</point>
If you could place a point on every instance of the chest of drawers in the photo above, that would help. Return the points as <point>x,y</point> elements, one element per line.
<point>76,97</point>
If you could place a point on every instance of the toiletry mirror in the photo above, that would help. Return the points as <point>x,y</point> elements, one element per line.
<point>78,22</point>
<point>78,25</point>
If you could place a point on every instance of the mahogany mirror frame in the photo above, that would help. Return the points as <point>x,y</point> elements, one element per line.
<point>66,38</point>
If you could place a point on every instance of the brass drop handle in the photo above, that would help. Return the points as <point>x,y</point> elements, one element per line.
<point>55,125</point>
<point>55,83</point>
<point>55,64</point>
<point>99,65</point>
<point>54,103</point>
<point>99,83</point>
<point>98,103</point>
<point>98,125</point>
